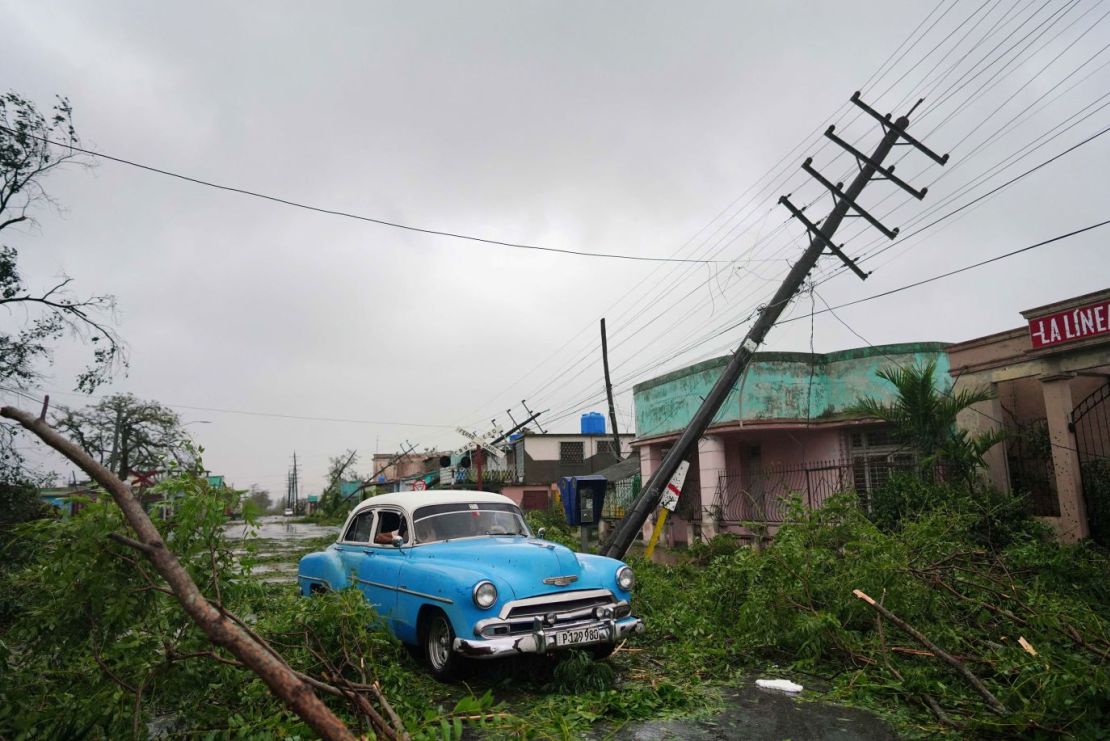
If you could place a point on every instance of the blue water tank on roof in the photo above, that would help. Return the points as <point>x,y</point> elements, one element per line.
<point>593,423</point>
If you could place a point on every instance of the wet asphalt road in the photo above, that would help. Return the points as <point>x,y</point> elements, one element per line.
<point>755,714</point>
<point>278,541</point>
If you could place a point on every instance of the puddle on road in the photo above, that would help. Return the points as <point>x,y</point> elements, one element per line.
<point>278,528</point>
<point>278,543</point>
<point>756,714</point>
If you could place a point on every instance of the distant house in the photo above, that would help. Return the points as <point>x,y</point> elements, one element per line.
<point>534,463</point>
<point>401,473</point>
<point>786,429</point>
<point>527,472</point>
<point>69,500</point>
<point>160,503</point>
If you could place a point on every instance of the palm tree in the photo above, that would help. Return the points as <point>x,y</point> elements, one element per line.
<point>924,419</point>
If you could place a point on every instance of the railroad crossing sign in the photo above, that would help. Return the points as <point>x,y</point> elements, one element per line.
<point>480,442</point>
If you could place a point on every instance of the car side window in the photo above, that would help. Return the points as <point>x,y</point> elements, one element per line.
<point>359,529</point>
<point>389,525</point>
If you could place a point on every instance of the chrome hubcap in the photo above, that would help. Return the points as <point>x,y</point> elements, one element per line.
<point>439,643</point>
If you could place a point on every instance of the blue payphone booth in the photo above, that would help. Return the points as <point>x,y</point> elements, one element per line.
<point>583,497</point>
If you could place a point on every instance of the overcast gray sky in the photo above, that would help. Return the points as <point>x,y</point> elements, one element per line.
<point>602,127</point>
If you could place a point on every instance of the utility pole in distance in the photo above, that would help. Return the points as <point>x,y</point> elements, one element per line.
<point>609,392</point>
<point>845,200</point>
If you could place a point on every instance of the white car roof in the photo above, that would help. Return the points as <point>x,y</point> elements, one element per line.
<point>411,500</point>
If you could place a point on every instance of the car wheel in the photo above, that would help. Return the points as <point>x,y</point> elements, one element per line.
<point>603,651</point>
<point>439,653</point>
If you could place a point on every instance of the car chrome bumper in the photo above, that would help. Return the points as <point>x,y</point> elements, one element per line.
<point>540,641</point>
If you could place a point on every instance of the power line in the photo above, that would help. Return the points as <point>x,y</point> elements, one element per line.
<point>562,377</point>
<point>978,93</point>
<point>964,269</point>
<point>872,253</point>
<point>568,411</point>
<point>965,159</point>
<point>777,182</point>
<point>251,413</point>
<point>349,215</point>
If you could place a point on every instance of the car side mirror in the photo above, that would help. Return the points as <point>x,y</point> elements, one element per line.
<point>541,532</point>
<point>398,541</point>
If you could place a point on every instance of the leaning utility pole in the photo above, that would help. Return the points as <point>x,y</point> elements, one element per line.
<point>845,200</point>
<point>609,391</point>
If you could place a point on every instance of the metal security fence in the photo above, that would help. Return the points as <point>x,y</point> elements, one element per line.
<point>620,497</point>
<point>1029,459</point>
<point>761,494</point>
<point>1090,423</point>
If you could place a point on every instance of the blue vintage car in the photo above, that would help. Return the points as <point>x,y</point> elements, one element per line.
<point>458,574</point>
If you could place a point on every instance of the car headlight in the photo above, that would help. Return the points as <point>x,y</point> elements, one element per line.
<point>485,594</point>
<point>625,578</point>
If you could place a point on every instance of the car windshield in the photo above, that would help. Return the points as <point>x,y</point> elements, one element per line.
<point>467,520</point>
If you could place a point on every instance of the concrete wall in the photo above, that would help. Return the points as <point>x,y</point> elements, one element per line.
<point>541,456</point>
<point>779,386</point>
<point>516,492</point>
<point>546,447</point>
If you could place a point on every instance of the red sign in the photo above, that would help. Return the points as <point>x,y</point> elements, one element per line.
<point>1092,320</point>
<point>418,485</point>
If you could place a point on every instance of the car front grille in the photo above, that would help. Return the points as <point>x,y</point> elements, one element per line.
<point>562,606</point>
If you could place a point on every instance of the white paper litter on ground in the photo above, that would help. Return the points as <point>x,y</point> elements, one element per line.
<point>783,685</point>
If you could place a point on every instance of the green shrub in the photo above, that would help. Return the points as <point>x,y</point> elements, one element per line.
<point>554,523</point>
<point>721,544</point>
<point>792,603</point>
<point>578,672</point>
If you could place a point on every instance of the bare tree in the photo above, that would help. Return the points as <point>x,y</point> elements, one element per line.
<point>260,497</point>
<point>31,146</point>
<point>337,466</point>
<point>126,434</point>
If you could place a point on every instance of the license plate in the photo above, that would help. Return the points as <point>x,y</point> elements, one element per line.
<point>578,636</point>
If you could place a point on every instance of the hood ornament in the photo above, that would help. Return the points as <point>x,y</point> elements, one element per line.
<point>561,581</point>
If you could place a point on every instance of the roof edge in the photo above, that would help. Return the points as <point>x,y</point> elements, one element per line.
<point>897,348</point>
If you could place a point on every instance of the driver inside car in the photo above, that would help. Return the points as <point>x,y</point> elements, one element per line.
<point>390,525</point>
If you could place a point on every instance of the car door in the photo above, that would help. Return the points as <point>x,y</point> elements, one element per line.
<point>381,561</point>
<point>353,545</point>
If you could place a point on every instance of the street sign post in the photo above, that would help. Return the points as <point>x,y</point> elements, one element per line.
<point>667,503</point>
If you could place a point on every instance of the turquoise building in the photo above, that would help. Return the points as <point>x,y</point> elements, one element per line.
<point>786,428</point>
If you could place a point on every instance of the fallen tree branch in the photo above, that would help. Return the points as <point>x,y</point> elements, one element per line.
<point>221,631</point>
<point>929,700</point>
<point>395,719</point>
<point>350,691</point>
<point>131,543</point>
<point>1069,630</point>
<point>959,666</point>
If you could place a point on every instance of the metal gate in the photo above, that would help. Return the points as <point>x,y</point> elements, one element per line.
<point>1090,424</point>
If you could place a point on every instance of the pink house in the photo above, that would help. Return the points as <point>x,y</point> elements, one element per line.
<point>784,431</point>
